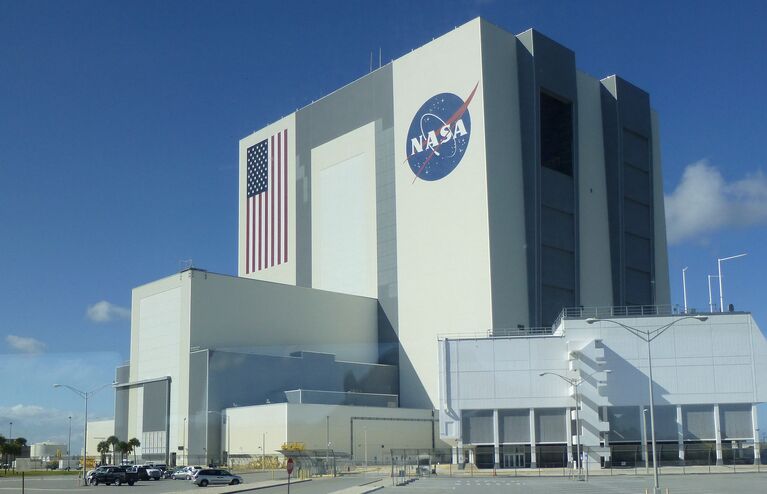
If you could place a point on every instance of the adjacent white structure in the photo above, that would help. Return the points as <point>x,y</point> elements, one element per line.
<point>708,378</point>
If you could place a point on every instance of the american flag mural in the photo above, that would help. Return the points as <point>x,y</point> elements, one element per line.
<point>266,230</point>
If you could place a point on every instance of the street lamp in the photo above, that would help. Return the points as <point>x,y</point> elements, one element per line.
<point>84,395</point>
<point>69,442</point>
<point>648,336</point>
<point>644,439</point>
<point>710,299</point>
<point>684,287</point>
<point>575,382</point>
<point>719,265</point>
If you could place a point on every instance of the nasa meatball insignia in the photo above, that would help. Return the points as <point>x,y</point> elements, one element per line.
<point>439,135</point>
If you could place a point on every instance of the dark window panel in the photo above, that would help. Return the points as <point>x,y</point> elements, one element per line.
<point>556,134</point>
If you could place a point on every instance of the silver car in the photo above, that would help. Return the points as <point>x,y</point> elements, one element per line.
<point>211,476</point>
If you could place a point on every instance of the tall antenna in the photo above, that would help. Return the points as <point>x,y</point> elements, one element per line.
<point>379,57</point>
<point>185,264</point>
<point>371,61</point>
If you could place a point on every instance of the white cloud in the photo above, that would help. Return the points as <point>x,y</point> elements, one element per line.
<point>26,345</point>
<point>106,311</point>
<point>704,203</point>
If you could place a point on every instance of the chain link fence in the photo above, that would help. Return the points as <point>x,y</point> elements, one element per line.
<point>554,461</point>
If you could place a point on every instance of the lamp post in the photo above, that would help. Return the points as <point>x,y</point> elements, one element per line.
<point>185,458</point>
<point>644,440</point>
<point>69,442</point>
<point>710,300</point>
<point>647,336</point>
<point>10,430</point>
<point>84,395</point>
<point>575,382</point>
<point>721,292</point>
<point>684,287</point>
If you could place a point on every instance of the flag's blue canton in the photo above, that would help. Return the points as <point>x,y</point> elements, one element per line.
<point>258,168</point>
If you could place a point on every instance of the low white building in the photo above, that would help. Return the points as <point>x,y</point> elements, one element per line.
<point>708,376</point>
<point>47,451</point>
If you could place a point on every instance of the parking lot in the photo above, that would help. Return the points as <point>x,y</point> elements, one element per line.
<point>688,484</point>
<point>677,484</point>
<point>49,485</point>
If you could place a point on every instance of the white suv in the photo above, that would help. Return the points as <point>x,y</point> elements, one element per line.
<point>208,476</point>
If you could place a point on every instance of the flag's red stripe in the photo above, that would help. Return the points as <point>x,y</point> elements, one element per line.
<point>285,194</point>
<point>259,232</point>
<point>247,233</point>
<point>253,235</point>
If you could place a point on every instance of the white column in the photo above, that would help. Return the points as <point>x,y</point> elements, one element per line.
<point>569,432</point>
<point>496,440</point>
<point>533,460</point>
<point>755,426</point>
<point>455,455</point>
<point>460,451</point>
<point>680,431</point>
<point>718,434</point>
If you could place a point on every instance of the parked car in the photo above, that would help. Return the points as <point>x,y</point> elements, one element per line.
<point>147,473</point>
<point>186,473</point>
<point>208,476</point>
<point>114,475</point>
<point>89,475</point>
<point>180,473</point>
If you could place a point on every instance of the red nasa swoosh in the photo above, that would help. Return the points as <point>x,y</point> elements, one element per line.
<point>458,114</point>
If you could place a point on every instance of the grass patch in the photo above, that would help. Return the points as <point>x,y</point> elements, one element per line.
<point>40,473</point>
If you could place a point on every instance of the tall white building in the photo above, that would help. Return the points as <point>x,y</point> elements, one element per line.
<point>478,184</point>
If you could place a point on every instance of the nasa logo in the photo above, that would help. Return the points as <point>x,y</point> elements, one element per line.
<point>439,135</point>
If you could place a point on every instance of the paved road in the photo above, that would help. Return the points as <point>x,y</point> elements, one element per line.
<point>678,484</point>
<point>51,485</point>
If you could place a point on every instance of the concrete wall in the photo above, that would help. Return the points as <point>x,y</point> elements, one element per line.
<point>98,431</point>
<point>596,285</point>
<point>315,425</point>
<point>196,309</point>
<point>277,319</point>
<point>443,252</point>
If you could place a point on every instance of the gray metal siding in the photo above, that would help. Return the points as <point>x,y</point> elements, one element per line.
<point>698,422</point>
<point>477,427</point>
<point>122,402</point>
<point>736,421</point>
<point>504,190</point>
<point>550,425</point>
<point>514,426</point>
<point>627,129</point>
<point>551,206</point>
<point>155,406</point>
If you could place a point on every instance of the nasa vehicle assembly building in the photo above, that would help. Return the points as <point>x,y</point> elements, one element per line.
<point>414,250</point>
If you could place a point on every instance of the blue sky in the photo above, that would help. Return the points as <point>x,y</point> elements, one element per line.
<point>119,124</point>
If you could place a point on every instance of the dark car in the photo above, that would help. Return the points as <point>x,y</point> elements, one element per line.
<point>146,472</point>
<point>114,475</point>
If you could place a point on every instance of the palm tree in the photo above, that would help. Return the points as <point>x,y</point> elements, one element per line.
<point>124,448</point>
<point>103,448</point>
<point>3,448</point>
<point>134,443</point>
<point>113,441</point>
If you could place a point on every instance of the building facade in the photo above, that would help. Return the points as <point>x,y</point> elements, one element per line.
<point>480,183</point>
